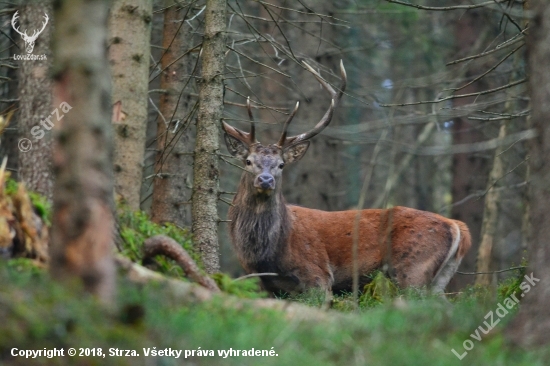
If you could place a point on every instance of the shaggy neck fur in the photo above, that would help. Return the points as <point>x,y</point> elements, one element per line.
<point>260,225</point>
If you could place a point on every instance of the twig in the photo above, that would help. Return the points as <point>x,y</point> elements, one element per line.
<point>446,8</point>
<point>517,38</point>
<point>235,165</point>
<point>499,271</point>
<point>509,85</point>
<point>480,194</point>
<point>255,275</point>
<point>502,116</point>
<point>490,69</point>
<point>225,201</point>
<point>309,12</point>
<point>258,62</point>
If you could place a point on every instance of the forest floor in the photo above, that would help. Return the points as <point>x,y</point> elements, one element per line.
<point>408,328</point>
<point>151,323</point>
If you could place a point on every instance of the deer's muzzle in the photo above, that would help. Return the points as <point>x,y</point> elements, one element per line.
<point>264,182</point>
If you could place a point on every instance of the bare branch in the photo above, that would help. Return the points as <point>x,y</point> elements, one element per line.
<point>514,83</point>
<point>447,8</point>
<point>500,271</point>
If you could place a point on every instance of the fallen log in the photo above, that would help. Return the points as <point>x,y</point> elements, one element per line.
<point>190,293</point>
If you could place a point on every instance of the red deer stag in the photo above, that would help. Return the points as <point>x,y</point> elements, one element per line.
<point>312,248</point>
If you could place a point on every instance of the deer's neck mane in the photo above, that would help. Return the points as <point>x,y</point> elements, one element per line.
<point>260,224</point>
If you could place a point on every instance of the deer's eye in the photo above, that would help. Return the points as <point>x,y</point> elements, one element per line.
<point>281,166</point>
<point>248,162</point>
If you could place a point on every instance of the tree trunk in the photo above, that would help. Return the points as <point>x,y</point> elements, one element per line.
<point>206,170</point>
<point>490,216</point>
<point>129,55</point>
<point>82,230</point>
<point>36,113</point>
<point>173,165</point>
<point>469,171</point>
<point>9,93</point>
<point>526,217</point>
<point>531,327</point>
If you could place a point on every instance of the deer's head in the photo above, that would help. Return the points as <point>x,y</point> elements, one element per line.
<point>265,163</point>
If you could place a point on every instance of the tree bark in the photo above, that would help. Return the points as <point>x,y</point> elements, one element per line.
<point>82,233</point>
<point>531,327</point>
<point>490,216</point>
<point>35,102</point>
<point>469,171</point>
<point>173,165</point>
<point>129,50</point>
<point>206,170</point>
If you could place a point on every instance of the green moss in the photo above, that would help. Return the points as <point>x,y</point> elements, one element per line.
<point>24,268</point>
<point>136,227</point>
<point>244,288</point>
<point>381,289</point>
<point>511,286</point>
<point>11,187</point>
<point>42,206</point>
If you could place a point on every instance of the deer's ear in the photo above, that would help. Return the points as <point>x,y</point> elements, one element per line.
<point>295,152</point>
<point>236,147</point>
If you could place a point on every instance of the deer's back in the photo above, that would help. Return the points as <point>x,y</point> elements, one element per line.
<point>405,237</point>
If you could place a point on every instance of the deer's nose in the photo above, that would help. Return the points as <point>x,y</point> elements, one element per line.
<point>266,181</point>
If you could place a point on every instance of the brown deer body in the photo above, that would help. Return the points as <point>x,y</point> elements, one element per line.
<point>312,248</point>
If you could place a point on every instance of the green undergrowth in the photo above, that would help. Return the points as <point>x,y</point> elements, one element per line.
<point>383,291</point>
<point>391,326</point>
<point>39,313</point>
<point>135,227</point>
<point>248,288</point>
<point>511,286</point>
<point>41,204</point>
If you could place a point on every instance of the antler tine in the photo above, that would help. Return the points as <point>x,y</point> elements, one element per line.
<point>285,126</point>
<point>14,21</point>
<point>248,138</point>
<point>252,134</point>
<point>324,122</point>
<point>46,18</point>
<point>37,32</point>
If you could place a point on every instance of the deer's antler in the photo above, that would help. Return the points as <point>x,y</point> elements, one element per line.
<point>320,126</point>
